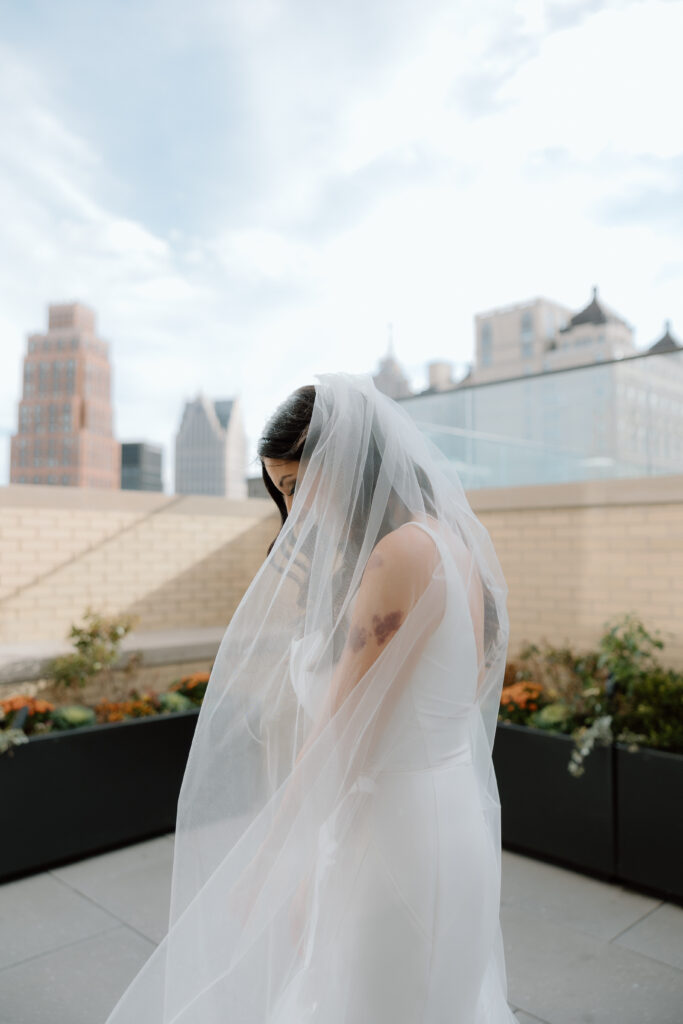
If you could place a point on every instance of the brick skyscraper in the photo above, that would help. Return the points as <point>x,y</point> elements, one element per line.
<point>65,434</point>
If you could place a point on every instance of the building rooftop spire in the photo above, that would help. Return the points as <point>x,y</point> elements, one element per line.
<point>667,342</point>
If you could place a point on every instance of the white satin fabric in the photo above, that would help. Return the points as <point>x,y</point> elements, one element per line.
<point>337,851</point>
<point>418,938</point>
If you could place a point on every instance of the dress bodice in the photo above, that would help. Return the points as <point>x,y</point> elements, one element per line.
<point>429,725</point>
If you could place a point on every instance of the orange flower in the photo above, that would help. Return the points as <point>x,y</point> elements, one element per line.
<point>522,694</point>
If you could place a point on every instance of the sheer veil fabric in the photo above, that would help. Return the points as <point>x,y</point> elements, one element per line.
<point>337,848</point>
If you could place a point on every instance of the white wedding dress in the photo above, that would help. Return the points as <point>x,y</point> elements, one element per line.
<point>418,938</point>
<point>337,852</point>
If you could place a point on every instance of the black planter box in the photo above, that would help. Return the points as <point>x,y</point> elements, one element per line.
<point>73,793</point>
<point>650,820</point>
<point>546,811</point>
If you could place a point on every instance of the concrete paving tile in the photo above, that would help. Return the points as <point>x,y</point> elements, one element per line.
<point>77,984</point>
<point>135,889</point>
<point>105,865</point>
<point>565,976</point>
<point>40,913</point>
<point>556,894</point>
<point>659,935</point>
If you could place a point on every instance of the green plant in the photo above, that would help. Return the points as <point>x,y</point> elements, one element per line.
<point>11,738</point>
<point>651,711</point>
<point>72,716</point>
<point>192,686</point>
<point>627,653</point>
<point>554,717</point>
<point>585,737</point>
<point>175,702</point>
<point>97,648</point>
<point>619,692</point>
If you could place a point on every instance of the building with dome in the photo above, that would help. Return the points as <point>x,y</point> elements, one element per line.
<point>540,335</point>
<point>595,407</point>
<point>667,342</point>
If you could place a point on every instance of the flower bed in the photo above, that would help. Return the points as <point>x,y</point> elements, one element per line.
<point>74,792</point>
<point>24,717</point>
<point>589,759</point>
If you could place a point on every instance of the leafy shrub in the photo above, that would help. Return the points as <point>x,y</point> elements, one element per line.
<point>192,686</point>
<point>619,692</point>
<point>97,648</point>
<point>72,716</point>
<point>175,701</point>
<point>555,717</point>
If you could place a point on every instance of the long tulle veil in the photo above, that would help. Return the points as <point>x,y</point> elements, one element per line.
<point>276,775</point>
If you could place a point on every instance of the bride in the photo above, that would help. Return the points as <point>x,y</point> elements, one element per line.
<point>337,848</point>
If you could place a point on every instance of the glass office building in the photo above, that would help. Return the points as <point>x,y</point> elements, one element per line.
<point>620,418</point>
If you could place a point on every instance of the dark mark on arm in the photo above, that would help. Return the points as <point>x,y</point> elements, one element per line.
<point>382,628</point>
<point>358,638</point>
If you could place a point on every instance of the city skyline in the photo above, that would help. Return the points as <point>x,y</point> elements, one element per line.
<point>239,225</point>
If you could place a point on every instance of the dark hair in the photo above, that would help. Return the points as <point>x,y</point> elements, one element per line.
<point>283,438</point>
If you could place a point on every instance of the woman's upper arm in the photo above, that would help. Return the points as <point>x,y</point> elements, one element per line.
<point>396,575</point>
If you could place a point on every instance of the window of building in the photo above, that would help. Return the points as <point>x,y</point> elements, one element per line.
<point>527,334</point>
<point>549,323</point>
<point>486,345</point>
<point>66,416</point>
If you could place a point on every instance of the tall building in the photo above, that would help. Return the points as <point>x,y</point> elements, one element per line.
<point>211,449</point>
<point>141,466</point>
<point>65,432</point>
<point>541,335</point>
<point>617,417</point>
<point>512,341</point>
<point>390,378</point>
<point>440,375</point>
<point>595,334</point>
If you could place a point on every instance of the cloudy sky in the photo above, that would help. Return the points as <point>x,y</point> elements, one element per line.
<point>247,191</point>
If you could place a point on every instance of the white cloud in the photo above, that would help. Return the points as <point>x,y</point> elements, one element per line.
<point>406,164</point>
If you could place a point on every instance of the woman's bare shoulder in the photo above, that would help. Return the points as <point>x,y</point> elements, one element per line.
<point>405,553</point>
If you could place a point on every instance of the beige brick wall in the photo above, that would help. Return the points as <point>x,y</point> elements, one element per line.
<point>179,560</point>
<point>578,555</point>
<point>574,556</point>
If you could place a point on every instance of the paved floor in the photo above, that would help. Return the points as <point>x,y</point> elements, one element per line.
<point>578,951</point>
